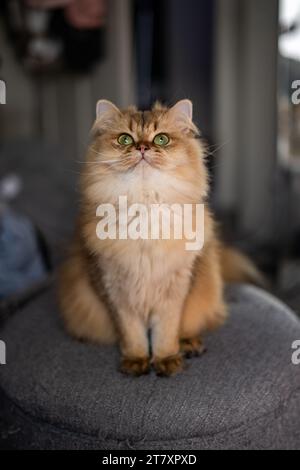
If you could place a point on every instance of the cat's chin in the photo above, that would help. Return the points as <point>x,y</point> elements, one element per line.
<point>143,167</point>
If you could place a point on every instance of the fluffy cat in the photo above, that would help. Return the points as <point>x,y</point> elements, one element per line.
<point>120,290</point>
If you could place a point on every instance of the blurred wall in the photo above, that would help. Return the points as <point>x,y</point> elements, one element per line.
<point>246,112</point>
<point>189,56</point>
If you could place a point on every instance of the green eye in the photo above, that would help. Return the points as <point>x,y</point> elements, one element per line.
<point>125,139</point>
<point>162,140</point>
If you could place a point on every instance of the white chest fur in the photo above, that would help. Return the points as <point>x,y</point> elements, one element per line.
<point>142,274</point>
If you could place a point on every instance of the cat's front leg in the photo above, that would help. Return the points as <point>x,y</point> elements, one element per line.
<point>134,343</point>
<point>167,358</point>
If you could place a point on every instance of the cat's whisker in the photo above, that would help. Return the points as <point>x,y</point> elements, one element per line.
<point>103,162</point>
<point>96,152</point>
<point>213,152</point>
<point>86,162</point>
<point>107,162</point>
<point>71,171</point>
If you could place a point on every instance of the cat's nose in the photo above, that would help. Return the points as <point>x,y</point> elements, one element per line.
<point>142,148</point>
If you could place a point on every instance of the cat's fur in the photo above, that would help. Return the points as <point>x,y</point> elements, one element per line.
<point>119,290</point>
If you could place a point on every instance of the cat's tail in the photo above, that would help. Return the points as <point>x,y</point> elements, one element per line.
<point>237,267</point>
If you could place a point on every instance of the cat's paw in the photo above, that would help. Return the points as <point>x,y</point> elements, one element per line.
<point>135,366</point>
<point>192,347</point>
<point>169,365</point>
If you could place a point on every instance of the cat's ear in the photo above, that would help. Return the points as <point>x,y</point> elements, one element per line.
<point>105,108</point>
<point>182,115</point>
<point>183,108</point>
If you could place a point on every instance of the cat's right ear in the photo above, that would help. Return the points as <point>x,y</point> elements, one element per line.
<point>105,108</point>
<point>183,108</point>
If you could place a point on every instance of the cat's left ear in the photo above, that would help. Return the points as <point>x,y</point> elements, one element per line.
<point>183,108</point>
<point>182,115</point>
<point>105,108</point>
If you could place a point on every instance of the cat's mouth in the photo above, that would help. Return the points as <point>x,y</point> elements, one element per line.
<point>144,160</point>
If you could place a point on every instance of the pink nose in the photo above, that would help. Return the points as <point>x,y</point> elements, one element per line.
<point>142,148</point>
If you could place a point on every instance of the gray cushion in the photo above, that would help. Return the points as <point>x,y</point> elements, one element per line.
<point>244,393</point>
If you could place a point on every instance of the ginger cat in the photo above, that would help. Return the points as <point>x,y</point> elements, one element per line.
<point>153,297</point>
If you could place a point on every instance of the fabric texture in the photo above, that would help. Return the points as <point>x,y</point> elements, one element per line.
<point>244,393</point>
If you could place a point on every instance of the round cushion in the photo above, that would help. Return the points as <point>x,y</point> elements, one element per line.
<point>244,393</point>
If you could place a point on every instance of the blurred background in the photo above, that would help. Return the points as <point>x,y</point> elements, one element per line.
<point>239,62</point>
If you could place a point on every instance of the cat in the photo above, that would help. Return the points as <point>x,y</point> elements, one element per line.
<point>152,297</point>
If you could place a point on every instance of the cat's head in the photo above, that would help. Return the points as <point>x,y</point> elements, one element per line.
<point>159,144</point>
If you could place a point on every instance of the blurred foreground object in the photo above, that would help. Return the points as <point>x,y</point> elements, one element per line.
<point>53,35</point>
<point>47,3</point>
<point>21,262</point>
<point>86,14</point>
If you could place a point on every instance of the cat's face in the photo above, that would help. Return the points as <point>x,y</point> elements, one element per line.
<point>158,145</point>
